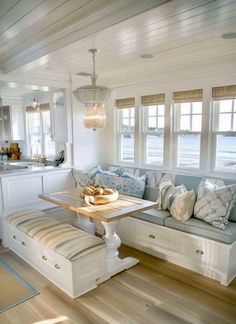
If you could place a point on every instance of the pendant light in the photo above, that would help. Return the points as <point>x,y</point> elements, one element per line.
<point>35,104</point>
<point>93,96</point>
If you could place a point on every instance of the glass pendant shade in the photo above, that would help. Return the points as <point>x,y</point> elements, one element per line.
<point>94,116</point>
<point>35,104</point>
<point>92,94</point>
<point>94,97</point>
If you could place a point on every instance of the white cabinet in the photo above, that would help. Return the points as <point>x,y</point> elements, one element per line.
<point>208,257</point>
<point>21,191</point>
<point>59,116</point>
<point>56,182</point>
<point>5,123</point>
<point>17,122</point>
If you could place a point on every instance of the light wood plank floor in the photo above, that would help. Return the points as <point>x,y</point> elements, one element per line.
<point>154,291</point>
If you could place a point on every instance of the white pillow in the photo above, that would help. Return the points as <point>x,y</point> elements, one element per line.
<point>214,203</point>
<point>181,205</point>
<point>167,189</point>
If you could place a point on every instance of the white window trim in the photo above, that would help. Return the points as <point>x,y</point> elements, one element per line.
<point>144,135</point>
<point>175,135</point>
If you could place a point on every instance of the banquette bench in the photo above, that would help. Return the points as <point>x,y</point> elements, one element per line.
<point>193,244</point>
<point>72,259</point>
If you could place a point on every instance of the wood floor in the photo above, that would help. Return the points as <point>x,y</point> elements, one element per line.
<point>154,291</point>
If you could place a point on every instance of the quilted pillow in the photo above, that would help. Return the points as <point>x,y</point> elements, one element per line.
<point>84,178</point>
<point>181,205</point>
<point>167,189</point>
<point>214,203</point>
<point>128,186</point>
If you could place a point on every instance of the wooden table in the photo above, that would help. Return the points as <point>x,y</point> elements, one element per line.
<point>109,215</point>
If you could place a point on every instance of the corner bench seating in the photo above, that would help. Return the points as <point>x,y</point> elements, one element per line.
<point>72,259</point>
<point>193,244</point>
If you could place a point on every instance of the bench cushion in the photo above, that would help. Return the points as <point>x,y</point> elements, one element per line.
<point>155,216</point>
<point>198,227</point>
<point>66,240</point>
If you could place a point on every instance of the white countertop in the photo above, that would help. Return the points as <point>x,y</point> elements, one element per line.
<point>28,169</point>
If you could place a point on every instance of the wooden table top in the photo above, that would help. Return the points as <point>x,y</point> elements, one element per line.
<point>122,207</point>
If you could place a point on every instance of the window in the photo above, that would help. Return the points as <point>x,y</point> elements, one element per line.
<point>224,135</point>
<point>126,124</point>
<point>188,126</point>
<point>153,129</point>
<point>39,132</point>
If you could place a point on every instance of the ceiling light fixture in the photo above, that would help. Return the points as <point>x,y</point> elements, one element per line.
<point>94,97</point>
<point>35,104</point>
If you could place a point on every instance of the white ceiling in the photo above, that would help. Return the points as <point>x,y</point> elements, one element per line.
<point>54,37</point>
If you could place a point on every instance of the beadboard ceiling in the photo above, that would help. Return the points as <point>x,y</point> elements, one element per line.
<point>53,37</point>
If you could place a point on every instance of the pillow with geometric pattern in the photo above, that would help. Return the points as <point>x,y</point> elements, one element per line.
<point>214,203</point>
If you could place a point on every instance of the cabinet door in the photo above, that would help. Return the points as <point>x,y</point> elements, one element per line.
<point>58,181</point>
<point>7,123</point>
<point>21,192</point>
<point>59,117</point>
<point>17,122</point>
<point>1,124</point>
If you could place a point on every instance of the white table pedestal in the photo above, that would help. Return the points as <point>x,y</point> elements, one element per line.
<point>85,224</point>
<point>113,242</point>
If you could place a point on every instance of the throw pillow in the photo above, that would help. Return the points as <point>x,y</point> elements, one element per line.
<point>181,205</point>
<point>167,189</point>
<point>84,178</point>
<point>128,186</point>
<point>214,203</point>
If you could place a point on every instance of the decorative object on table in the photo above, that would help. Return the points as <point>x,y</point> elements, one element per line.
<point>14,288</point>
<point>98,195</point>
<point>94,97</point>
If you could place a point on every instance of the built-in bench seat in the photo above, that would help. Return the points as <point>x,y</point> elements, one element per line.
<point>72,259</point>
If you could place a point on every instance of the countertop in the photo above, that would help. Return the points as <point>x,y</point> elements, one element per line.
<point>20,168</point>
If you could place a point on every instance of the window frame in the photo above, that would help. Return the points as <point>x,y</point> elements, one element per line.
<point>120,133</point>
<point>215,132</point>
<point>145,133</point>
<point>41,134</point>
<point>176,106</point>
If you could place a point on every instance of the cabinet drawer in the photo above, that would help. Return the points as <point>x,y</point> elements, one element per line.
<point>53,264</point>
<point>151,236</point>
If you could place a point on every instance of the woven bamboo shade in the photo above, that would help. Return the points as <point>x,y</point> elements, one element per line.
<point>125,103</point>
<point>42,107</point>
<point>155,99</point>
<point>188,96</point>
<point>224,92</point>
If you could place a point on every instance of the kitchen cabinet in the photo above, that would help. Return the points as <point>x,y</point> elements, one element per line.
<point>5,123</point>
<point>59,116</point>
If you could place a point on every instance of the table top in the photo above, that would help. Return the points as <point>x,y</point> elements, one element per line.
<point>122,207</point>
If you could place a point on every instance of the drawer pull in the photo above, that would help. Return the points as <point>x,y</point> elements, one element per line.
<point>200,252</point>
<point>14,237</point>
<point>57,266</point>
<point>23,243</point>
<point>152,236</point>
<point>44,258</point>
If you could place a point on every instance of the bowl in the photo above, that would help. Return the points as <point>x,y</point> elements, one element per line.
<point>101,199</point>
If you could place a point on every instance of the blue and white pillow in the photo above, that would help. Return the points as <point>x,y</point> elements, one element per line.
<point>129,186</point>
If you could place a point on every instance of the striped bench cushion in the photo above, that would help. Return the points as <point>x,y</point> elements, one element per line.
<point>66,240</point>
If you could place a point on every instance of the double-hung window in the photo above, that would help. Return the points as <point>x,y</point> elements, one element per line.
<point>126,129</point>
<point>187,128</point>
<point>39,131</point>
<point>224,128</point>
<point>153,128</point>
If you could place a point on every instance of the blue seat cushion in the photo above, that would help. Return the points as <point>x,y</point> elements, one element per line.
<point>155,216</point>
<point>198,227</point>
